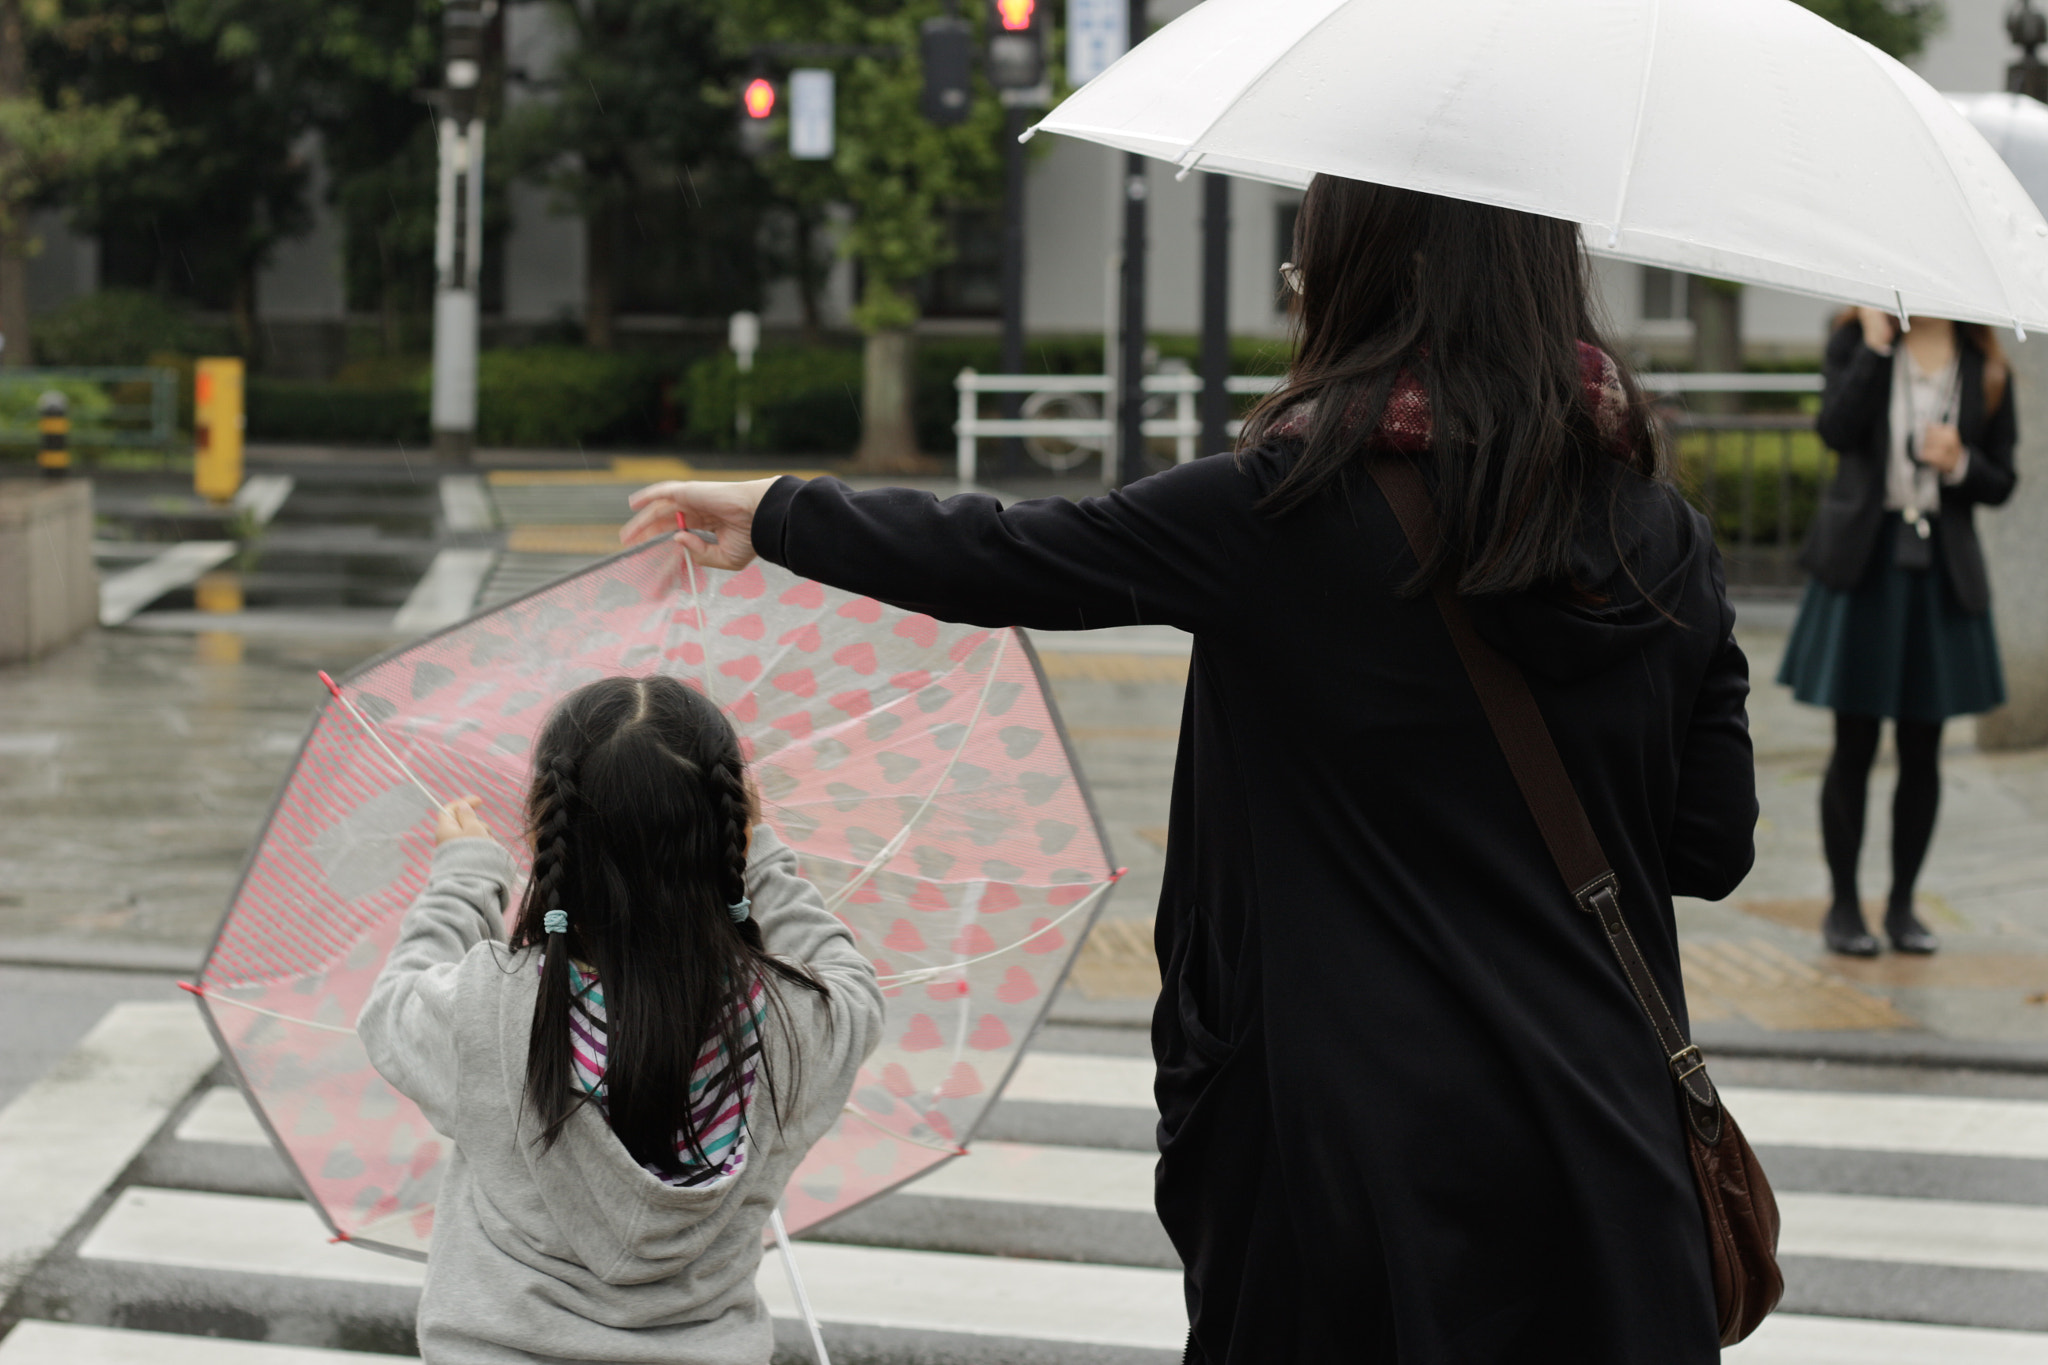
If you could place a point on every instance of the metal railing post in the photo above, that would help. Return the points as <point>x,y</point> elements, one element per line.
<point>1184,413</point>
<point>964,427</point>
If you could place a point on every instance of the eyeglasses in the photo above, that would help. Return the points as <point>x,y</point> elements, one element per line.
<point>1290,275</point>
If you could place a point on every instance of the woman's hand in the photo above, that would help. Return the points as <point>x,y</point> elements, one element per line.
<point>1879,329</point>
<point>458,820</point>
<point>726,510</point>
<point>1941,449</point>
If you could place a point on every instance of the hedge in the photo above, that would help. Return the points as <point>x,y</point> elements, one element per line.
<point>341,414</point>
<point>1811,465</point>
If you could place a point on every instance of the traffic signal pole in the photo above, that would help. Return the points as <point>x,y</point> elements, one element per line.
<point>1215,403</point>
<point>1015,119</point>
<point>458,233</point>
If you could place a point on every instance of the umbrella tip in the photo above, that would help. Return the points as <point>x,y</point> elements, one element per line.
<point>1028,133</point>
<point>330,683</point>
<point>1118,875</point>
<point>191,989</point>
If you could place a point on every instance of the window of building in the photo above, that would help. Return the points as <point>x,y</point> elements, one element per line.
<point>1664,295</point>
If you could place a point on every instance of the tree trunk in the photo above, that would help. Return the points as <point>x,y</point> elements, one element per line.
<point>888,435</point>
<point>808,283</point>
<point>1716,308</point>
<point>14,325</point>
<point>598,239</point>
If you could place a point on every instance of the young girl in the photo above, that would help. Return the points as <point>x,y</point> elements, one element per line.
<point>630,1080</point>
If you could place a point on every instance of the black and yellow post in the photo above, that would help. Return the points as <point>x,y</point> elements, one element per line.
<point>53,419</point>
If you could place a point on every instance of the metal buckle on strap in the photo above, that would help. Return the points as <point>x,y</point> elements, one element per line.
<point>1699,1063</point>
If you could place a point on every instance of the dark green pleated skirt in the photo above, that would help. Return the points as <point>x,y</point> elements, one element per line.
<point>1896,646</point>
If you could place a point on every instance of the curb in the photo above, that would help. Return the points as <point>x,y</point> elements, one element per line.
<point>1876,1049</point>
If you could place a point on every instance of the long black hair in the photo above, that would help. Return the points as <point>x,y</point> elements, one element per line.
<point>1485,307</point>
<point>640,813</point>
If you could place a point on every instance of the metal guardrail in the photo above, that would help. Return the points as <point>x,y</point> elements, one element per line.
<point>971,427</point>
<point>141,408</point>
<point>1184,427</point>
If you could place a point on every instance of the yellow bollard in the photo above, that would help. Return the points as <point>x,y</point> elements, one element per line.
<point>53,420</point>
<point>217,423</point>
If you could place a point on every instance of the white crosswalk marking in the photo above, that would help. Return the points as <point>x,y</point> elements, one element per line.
<point>1062,1177</point>
<point>1916,1231</point>
<point>1063,1311</point>
<point>1800,1339</point>
<point>1892,1123</point>
<point>235,1233</point>
<point>933,1291</point>
<point>57,1343</point>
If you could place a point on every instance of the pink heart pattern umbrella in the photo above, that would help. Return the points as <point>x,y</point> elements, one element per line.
<point>918,769</point>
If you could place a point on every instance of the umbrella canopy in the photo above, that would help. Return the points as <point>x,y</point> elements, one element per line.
<point>1748,140</point>
<point>2016,126</point>
<point>918,770</point>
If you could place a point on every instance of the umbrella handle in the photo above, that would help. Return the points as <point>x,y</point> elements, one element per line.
<point>796,1280</point>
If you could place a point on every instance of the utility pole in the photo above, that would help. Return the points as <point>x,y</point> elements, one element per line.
<point>2028,30</point>
<point>1016,68</point>
<point>458,228</point>
<point>1130,443</point>
<point>1215,313</point>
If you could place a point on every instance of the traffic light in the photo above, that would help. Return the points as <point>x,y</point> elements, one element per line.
<point>757,106</point>
<point>946,45</point>
<point>1016,44</point>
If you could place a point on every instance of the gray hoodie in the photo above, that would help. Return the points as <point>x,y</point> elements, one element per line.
<point>577,1253</point>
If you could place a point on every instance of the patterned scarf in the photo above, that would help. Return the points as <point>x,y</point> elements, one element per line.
<point>1405,426</point>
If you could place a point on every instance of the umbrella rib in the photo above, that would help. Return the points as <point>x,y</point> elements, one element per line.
<point>895,845</point>
<point>903,1137</point>
<point>1635,135</point>
<point>1872,55</point>
<point>258,1009</point>
<point>1189,156</point>
<point>933,973</point>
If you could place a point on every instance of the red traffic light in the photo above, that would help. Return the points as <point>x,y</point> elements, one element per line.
<point>1015,15</point>
<point>759,97</point>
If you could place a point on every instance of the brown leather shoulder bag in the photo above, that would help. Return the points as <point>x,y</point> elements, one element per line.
<point>1741,1213</point>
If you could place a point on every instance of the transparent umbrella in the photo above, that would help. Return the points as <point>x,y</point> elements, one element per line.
<point>918,769</point>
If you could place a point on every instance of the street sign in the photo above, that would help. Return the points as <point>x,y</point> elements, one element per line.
<point>1096,34</point>
<point>810,114</point>
<point>1016,44</point>
<point>946,50</point>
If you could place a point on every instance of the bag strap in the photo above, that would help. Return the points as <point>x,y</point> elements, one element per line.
<point>1532,756</point>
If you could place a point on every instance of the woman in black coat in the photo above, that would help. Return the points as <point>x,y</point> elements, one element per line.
<point>1409,1109</point>
<point>1897,617</point>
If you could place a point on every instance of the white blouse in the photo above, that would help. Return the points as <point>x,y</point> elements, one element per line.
<point>1920,400</point>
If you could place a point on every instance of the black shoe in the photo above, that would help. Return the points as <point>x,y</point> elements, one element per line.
<point>1907,933</point>
<point>1843,932</point>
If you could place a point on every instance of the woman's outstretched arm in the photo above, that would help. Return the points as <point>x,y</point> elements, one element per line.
<point>1178,548</point>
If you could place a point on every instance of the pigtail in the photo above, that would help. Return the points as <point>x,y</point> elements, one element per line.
<point>549,1060</point>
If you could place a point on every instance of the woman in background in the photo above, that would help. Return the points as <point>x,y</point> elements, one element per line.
<point>1897,617</point>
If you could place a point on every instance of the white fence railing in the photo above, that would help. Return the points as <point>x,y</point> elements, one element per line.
<point>1184,427</point>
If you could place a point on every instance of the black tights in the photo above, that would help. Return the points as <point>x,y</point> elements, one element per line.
<point>1845,793</point>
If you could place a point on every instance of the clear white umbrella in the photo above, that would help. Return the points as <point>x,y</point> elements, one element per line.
<point>2016,126</point>
<point>1743,139</point>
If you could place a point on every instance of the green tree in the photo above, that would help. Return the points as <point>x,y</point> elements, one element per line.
<point>897,173</point>
<point>636,108</point>
<point>236,87</point>
<point>47,139</point>
<point>1900,27</point>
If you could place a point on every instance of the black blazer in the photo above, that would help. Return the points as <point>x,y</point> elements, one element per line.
<point>1855,422</point>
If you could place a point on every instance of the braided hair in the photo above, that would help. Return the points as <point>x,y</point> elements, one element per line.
<point>641,814</point>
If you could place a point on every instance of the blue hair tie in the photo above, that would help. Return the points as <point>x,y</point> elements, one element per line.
<point>555,922</point>
<point>740,909</point>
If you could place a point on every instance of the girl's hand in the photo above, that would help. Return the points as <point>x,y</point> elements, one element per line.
<point>1879,328</point>
<point>726,510</point>
<point>1942,448</point>
<point>458,820</point>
